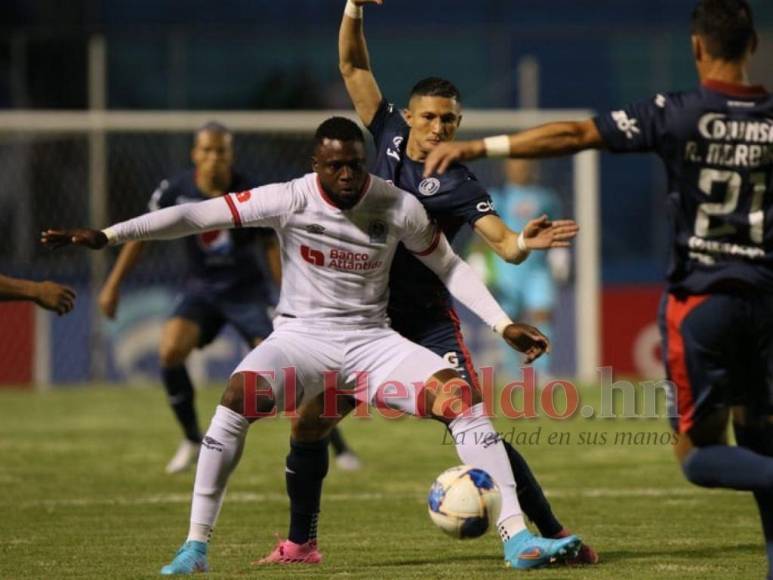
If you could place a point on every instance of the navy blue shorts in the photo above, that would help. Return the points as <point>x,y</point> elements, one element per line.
<point>249,318</point>
<point>441,335</point>
<point>718,350</point>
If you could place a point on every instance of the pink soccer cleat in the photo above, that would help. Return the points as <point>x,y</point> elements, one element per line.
<point>586,555</point>
<point>287,552</point>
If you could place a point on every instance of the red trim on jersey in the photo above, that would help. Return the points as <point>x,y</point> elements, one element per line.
<point>735,89</point>
<point>676,312</point>
<point>432,245</point>
<point>463,347</point>
<point>331,203</point>
<point>237,219</point>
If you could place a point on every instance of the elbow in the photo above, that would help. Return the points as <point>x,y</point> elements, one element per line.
<point>346,68</point>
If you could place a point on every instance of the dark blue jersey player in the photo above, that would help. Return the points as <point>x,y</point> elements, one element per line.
<point>717,315</point>
<point>225,282</point>
<point>419,305</point>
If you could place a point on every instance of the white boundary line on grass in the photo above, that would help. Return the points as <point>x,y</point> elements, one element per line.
<point>249,497</point>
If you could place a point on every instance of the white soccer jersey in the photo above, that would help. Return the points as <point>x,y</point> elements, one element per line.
<point>335,263</point>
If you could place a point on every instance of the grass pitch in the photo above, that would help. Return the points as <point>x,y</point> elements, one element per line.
<point>83,495</point>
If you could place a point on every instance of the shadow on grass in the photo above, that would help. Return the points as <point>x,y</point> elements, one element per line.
<point>707,553</point>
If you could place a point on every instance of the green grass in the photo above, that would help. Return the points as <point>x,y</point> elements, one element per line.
<point>83,494</point>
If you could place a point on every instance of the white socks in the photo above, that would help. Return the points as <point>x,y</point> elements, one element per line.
<point>221,449</point>
<point>478,445</point>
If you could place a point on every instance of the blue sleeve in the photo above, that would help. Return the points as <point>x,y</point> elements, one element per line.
<point>387,120</point>
<point>470,201</point>
<point>639,127</point>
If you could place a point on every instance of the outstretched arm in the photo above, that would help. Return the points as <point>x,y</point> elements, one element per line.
<point>164,224</point>
<point>538,234</point>
<point>551,140</point>
<point>354,62</point>
<point>48,295</point>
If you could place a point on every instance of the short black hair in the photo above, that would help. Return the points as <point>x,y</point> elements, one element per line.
<point>339,129</point>
<point>213,127</point>
<point>435,87</point>
<point>726,26</point>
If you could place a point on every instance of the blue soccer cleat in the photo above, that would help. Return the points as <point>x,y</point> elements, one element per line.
<point>189,559</point>
<point>525,550</point>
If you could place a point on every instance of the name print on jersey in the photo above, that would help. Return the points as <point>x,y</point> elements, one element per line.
<point>340,259</point>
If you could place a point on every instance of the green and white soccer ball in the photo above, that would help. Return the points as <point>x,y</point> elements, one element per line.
<point>464,502</point>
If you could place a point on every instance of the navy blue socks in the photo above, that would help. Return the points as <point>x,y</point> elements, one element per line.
<point>179,390</point>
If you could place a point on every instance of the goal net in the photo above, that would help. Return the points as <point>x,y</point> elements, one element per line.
<point>96,168</point>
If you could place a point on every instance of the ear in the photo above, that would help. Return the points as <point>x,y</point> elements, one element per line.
<point>755,43</point>
<point>408,117</point>
<point>697,47</point>
<point>314,164</point>
<point>459,120</point>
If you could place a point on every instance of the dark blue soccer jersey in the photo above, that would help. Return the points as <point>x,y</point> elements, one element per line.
<point>220,262</point>
<point>717,146</point>
<point>451,200</point>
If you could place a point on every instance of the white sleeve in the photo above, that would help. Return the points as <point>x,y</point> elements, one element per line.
<point>429,245</point>
<point>256,207</point>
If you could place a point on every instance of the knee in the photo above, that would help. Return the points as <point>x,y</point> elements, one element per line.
<point>172,355</point>
<point>311,429</point>
<point>697,471</point>
<point>453,398</point>
<point>249,395</point>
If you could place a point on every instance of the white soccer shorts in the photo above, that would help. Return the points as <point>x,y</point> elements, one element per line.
<point>376,365</point>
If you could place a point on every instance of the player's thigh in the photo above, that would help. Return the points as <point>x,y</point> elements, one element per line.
<point>294,361</point>
<point>179,336</point>
<point>249,318</point>
<point>200,311</point>
<point>398,371</point>
<point>703,350</point>
<point>445,339</point>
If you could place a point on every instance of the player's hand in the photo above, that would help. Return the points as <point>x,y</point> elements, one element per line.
<point>526,339</point>
<point>543,234</point>
<point>442,156</point>
<point>108,300</point>
<point>94,239</point>
<point>53,296</point>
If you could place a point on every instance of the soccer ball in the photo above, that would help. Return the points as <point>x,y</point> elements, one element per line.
<point>464,501</point>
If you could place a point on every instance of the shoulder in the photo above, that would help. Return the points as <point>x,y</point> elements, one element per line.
<point>167,192</point>
<point>386,196</point>
<point>388,121</point>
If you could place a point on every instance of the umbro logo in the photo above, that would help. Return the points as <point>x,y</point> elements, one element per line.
<point>212,444</point>
<point>315,229</point>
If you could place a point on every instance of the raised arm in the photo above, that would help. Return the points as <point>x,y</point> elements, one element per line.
<point>551,140</point>
<point>354,62</point>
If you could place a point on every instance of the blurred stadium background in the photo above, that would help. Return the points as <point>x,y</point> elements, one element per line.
<point>60,60</point>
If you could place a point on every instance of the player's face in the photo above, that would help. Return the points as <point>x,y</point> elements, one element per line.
<point>213,154</point>
<point>432,121</point>
<point>342,170</point>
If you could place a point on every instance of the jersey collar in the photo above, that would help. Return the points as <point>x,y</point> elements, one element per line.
<point>326,198</point>
<point>735,89</point>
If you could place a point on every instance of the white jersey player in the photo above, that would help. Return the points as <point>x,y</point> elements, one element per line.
<point>338,228</point>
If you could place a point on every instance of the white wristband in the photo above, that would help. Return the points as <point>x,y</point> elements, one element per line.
<point>352,10</point>
<point>500,326</point>
<point>522,244</point>
<point>111,236</point>
<point>498,146</point>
